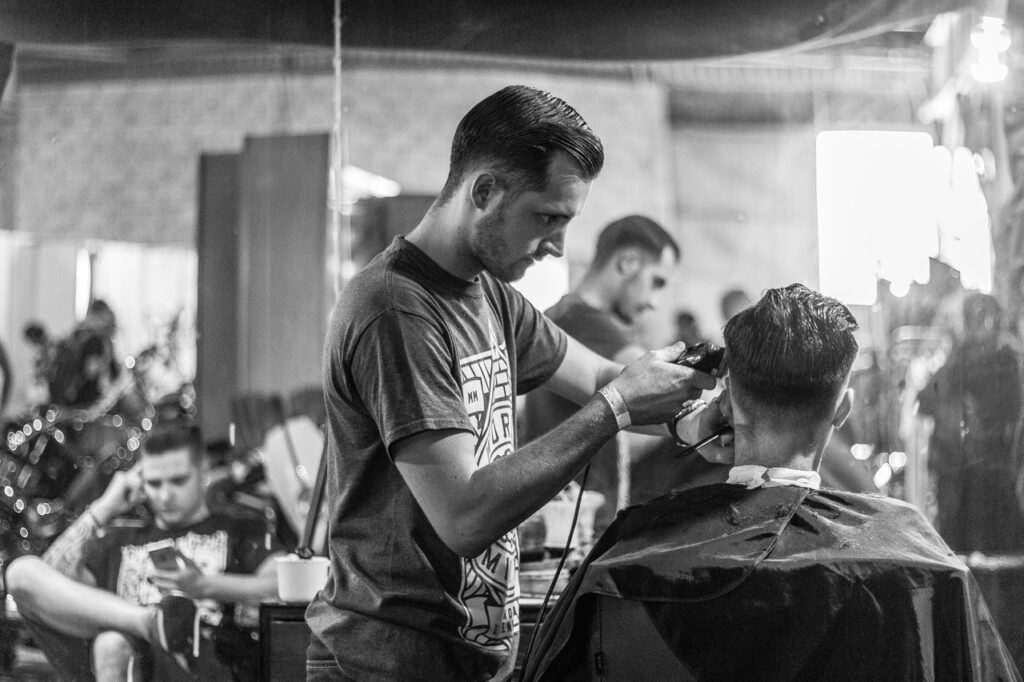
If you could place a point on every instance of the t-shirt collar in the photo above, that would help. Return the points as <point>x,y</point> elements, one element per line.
<point>429,267</point>
<point>756,476</point>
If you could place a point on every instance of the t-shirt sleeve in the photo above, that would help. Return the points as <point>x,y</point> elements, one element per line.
<point>406,373</point>
<point>96,557</point>
<point>597,331</point>
<point>540,344</point>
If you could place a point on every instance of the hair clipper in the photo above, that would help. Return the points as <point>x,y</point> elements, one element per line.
<point>704,357</point>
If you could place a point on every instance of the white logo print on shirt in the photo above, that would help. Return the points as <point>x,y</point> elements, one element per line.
<point>490,582</point>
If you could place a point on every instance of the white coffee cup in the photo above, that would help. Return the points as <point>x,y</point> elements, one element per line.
<point>298,579</point>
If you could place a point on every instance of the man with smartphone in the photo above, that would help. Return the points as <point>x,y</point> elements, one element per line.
<point>112,597</point>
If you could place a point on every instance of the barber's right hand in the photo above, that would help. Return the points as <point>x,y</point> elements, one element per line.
<point>653,386</point>
<point>123,492</point>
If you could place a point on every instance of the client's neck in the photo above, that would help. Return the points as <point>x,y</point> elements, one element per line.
<point>789,451</point>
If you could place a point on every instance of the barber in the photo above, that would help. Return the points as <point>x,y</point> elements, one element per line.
<point>427,348</point>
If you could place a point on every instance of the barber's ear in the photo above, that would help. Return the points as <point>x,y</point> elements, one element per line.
<point>843,410</point>
<point>484,191</point>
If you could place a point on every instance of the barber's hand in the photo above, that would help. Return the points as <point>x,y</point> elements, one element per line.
<point>189,580</point>
<point>123,492</point>
<point>718,414</point>
<point>704,421</point>
<point>653,387</point>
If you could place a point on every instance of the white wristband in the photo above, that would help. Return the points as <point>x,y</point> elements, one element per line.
<point>618,405</point>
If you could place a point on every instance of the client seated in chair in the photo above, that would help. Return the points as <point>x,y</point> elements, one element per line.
<point>754,573</point>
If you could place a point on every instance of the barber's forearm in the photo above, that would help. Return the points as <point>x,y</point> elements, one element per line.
<point>510,489</point>
<point>581,373</point>
<point>231,587</point>
<point>608,372</point>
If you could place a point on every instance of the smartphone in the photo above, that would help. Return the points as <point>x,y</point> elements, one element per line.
<point>165,556</point>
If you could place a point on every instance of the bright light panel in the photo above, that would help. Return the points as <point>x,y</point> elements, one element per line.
<point>83,282</point>
<point>965,234</point>
<point>876,211</point>
<point>545,282</point>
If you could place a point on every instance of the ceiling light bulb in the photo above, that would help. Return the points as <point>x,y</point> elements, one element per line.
<point>989,68</point>
<point>991,35</point>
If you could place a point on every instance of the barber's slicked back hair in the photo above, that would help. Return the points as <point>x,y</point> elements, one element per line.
<point>632,231</point>
<point>517,130</point>
<point>174,435</point>
<point>791,351</point>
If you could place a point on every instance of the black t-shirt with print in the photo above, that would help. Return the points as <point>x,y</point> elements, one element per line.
<point>412,348</point>
<point>221,543</point>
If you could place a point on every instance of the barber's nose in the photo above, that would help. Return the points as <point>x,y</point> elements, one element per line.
<point>555,246</point>
<point>653,301</point>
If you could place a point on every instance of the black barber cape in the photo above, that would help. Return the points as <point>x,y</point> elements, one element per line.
<point>782,583</point>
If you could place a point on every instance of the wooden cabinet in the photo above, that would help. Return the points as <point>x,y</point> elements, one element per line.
<point>284,637</point>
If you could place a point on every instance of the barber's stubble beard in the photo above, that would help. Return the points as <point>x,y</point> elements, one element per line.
<point>489,247</point>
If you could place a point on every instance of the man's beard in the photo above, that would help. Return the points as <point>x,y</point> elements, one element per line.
<point>489,247</point>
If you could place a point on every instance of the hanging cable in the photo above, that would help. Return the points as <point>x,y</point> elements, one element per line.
<point>340,267</point>
<point>558,571</point>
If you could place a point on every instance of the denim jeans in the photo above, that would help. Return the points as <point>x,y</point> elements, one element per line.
<point>70,656</point>
<point>325,670</point>
<point>321,666</point>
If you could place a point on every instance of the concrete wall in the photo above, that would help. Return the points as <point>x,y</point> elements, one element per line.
<point>117,159</point>
<point>747,212</point>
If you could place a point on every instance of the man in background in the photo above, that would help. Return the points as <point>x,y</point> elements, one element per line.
<point>98,606</point>
<point>83,368</point>
<point>732,302</point>
<point>633,262</point>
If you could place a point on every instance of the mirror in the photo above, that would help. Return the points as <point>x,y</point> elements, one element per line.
<point>194,174</point>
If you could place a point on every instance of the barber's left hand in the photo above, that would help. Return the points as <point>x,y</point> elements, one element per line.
<point>717,414</point>
<point>189,580</point>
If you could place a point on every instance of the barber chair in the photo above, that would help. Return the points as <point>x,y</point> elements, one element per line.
<point>722,583</point>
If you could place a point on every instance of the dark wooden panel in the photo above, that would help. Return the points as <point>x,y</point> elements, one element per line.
<point>217,249</point>
<point>282,262</point>
<point>284,637</point>
<point>376,222</point>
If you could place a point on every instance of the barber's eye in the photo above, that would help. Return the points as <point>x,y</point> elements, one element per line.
<point>548,219</point>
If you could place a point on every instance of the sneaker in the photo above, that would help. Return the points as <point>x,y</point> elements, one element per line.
<point>175,629</point>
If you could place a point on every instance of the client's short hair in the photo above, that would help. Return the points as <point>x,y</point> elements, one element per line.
<point>790,353</point>
<point>174,434</point>
<point>633,231</point>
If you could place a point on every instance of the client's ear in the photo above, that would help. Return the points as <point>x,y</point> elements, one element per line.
<point>843,409</point>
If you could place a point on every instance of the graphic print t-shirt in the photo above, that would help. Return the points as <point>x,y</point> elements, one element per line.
<point>219,544</point>
<point>412,348</point>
